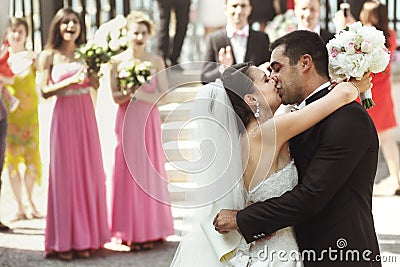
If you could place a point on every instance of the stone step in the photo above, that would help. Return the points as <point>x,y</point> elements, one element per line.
<point>176,130</point>
<point>177,197</point>
<point>180,187</point>
<point>181,94</point>
<point>178,150</point>
<point>175,111</point>
<point>178,171</point>
<point>191,74</point>
<point>177,191</point>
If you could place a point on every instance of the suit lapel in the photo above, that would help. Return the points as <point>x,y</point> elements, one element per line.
<point>317,95</point>
<point>248,48</point>
<point>302,146</point>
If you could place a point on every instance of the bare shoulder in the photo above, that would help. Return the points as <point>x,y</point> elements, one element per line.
<point>46,53</point>
<point>46,58</point>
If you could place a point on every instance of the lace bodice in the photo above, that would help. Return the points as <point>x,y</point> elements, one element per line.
<point>284,239</point>
<point>275,185</point>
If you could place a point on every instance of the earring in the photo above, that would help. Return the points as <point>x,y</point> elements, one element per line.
<point>257,113</point>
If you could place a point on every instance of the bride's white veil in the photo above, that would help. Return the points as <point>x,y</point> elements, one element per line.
<point>216,172</point>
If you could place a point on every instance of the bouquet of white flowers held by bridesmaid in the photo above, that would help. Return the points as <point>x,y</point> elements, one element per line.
<point>356,50</point>
<point>112,35</point>
<point>133,74</point>
<point>109,40</point>
<point>93,56</point>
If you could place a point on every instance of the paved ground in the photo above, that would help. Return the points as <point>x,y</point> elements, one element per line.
<point>24,246</point>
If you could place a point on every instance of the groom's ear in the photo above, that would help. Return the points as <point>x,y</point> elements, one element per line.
<point>306,61</point>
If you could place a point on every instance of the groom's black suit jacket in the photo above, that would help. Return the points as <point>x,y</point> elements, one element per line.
<point>336,161</point>
<point>326,36</point>
<point>257,51</point>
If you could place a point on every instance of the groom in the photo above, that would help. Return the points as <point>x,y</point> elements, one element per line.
<point>336,162</point>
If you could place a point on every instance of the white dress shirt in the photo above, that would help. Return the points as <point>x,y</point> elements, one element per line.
<point>317,29</point>
<point>303,103</point>
<point>238,39</point>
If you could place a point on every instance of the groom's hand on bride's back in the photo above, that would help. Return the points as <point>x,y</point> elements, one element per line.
<point>225,221</point>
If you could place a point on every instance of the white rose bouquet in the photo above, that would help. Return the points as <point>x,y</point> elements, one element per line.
<point>111,36</point>
<point>133,74</point>
<point>110,39</point>
<point>93,56</point>
<point>356,50</point>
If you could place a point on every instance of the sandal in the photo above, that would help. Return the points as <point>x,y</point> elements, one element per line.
<point>135,247</point>
<point>83,254</point>
<point>19,217</point>
<point>36,215</point>
<point>66,255</point>
<point>50,254</point>
<point>147,246</point>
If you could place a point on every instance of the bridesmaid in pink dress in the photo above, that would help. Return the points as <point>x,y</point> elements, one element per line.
<point>76,221</point>
<point>140,213</point>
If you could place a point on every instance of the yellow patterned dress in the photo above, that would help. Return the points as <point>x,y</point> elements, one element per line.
<point>23,125</point>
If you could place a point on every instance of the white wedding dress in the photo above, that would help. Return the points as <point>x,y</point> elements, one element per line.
<point>263,252</point>
<point>220,127</point>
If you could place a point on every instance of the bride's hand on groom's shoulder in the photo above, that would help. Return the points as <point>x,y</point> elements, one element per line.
<point>225,221</point>
<point>335,82</point>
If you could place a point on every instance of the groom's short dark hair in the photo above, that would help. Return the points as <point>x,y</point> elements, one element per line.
<point>299,43</point>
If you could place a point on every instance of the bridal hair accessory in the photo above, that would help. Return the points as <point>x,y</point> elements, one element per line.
<point>257,113</point>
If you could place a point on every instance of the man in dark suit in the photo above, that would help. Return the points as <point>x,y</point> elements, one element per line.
<point>181,9</point>
<point>307,13</point>
<point>235,44</point>
<point>336,162</point>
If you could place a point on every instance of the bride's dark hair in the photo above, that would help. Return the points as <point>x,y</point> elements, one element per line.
<point>238,82</point>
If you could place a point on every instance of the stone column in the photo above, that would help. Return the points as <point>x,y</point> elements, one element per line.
<point>4,15</point>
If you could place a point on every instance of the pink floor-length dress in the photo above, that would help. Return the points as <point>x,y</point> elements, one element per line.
<point>139,216</point>
<point>76,210</point>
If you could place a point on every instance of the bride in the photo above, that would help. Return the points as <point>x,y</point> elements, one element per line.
<point>251,160</point>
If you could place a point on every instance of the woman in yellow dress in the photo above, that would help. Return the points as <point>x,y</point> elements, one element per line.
<point>23,125</point>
